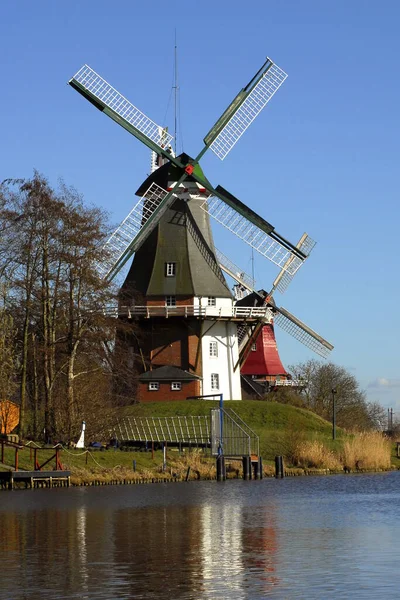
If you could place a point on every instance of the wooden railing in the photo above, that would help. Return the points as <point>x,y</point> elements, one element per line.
<point>212,312</point>
<point>33,452</point>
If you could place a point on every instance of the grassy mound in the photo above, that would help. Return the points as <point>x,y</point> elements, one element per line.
<point>279,426</point>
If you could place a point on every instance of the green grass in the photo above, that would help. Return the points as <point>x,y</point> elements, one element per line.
<point>395,460</point>
<point>276,424</point>
<point>94,461</point>
<point>279,427</point>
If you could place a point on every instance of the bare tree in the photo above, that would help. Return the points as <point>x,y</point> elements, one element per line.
<point>8,357</point>
<point>66,342</point>
<point>320,379</point>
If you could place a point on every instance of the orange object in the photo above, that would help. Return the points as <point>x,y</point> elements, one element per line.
<point>9,416</point>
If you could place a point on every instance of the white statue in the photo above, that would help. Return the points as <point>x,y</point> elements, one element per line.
<point>81,442</point>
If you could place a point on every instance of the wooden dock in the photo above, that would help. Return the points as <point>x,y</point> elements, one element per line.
<point>34,479</point>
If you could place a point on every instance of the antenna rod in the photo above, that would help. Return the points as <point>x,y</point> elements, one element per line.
<point>252,265</point>
<point>175,93</point>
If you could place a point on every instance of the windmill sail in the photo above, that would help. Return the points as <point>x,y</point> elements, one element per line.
<point>284,278</point>
<point>282,317</point>
<point>134,229</point>
<point>253,229</point>
<point>301,332</point>
<point>107,99</point>
<point>244,109</point>
<point>234,271</point>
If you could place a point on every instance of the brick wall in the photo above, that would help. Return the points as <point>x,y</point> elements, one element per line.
<point>165,394</point>
<point>172,341</point>
<point>160,301</point>
<point>194,350</point>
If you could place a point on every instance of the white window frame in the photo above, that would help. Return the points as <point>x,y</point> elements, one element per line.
<point>170,269</point>
<point>214,381</point>
<point>176,386</point>
<point>254,347</point>
<point>170,301</point>
<point>154,386</point>
<point>213,349</point>
<point>211,301</point>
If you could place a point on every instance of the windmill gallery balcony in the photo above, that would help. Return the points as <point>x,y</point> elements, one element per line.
<point>235,313</point>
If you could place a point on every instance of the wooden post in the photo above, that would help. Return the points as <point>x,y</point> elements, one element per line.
<point>256,466</point>
<point>16,459</point>
<point>164,465</point>
<point>246,468</point>
<point>279,469</point>
<point>221,473</point>
<point>2,451</point>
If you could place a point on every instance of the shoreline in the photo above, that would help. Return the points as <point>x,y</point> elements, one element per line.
<point>75,481</point>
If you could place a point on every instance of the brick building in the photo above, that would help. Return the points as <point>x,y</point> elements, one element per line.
<point>177,295</point>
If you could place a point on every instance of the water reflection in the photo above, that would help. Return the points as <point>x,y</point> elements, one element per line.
<point>310,538</point>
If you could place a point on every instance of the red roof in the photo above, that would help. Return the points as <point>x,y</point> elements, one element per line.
<point>265,359</point>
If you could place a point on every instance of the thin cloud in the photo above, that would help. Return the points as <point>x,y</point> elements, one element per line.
<point>382,382</point>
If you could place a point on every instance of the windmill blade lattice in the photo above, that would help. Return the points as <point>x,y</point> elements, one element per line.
<point>282,317</point>
<point>301,332</point>
<point>93,86</point>
<point>234,271</point>
<point>284,278</point>
<point>253,103</point>
<point>134,229</point>
<point>255,237</point>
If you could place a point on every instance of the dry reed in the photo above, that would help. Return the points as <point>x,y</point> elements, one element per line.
<point>200,466</point>
<point>314,454</point>
<point>368,450</point>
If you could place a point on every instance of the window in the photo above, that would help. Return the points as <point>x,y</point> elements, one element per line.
<point>154,386</point>
<point>170,269</point>
<point>176,386</point>
<point>211,301</point>
<point>170,301</point>
<point>214,349</point>
<point>214,381</point>
<point>254,347</point>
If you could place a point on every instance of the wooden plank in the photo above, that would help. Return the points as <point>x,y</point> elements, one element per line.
<point>22,475</point>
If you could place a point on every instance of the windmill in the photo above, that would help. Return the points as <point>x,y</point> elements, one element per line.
<point>265,364</point>
<point>175,287</point>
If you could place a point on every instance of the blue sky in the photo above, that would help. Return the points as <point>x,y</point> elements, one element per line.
<point>322,157</point>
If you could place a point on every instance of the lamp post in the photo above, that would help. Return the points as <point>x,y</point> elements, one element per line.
<point>334,390</point>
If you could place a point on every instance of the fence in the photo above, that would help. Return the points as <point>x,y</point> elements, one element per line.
<point>203,431</point>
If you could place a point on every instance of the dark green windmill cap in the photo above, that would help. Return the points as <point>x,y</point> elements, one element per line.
<point>170,172</point>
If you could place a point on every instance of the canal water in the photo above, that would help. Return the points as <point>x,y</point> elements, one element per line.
<point>305,537</point>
